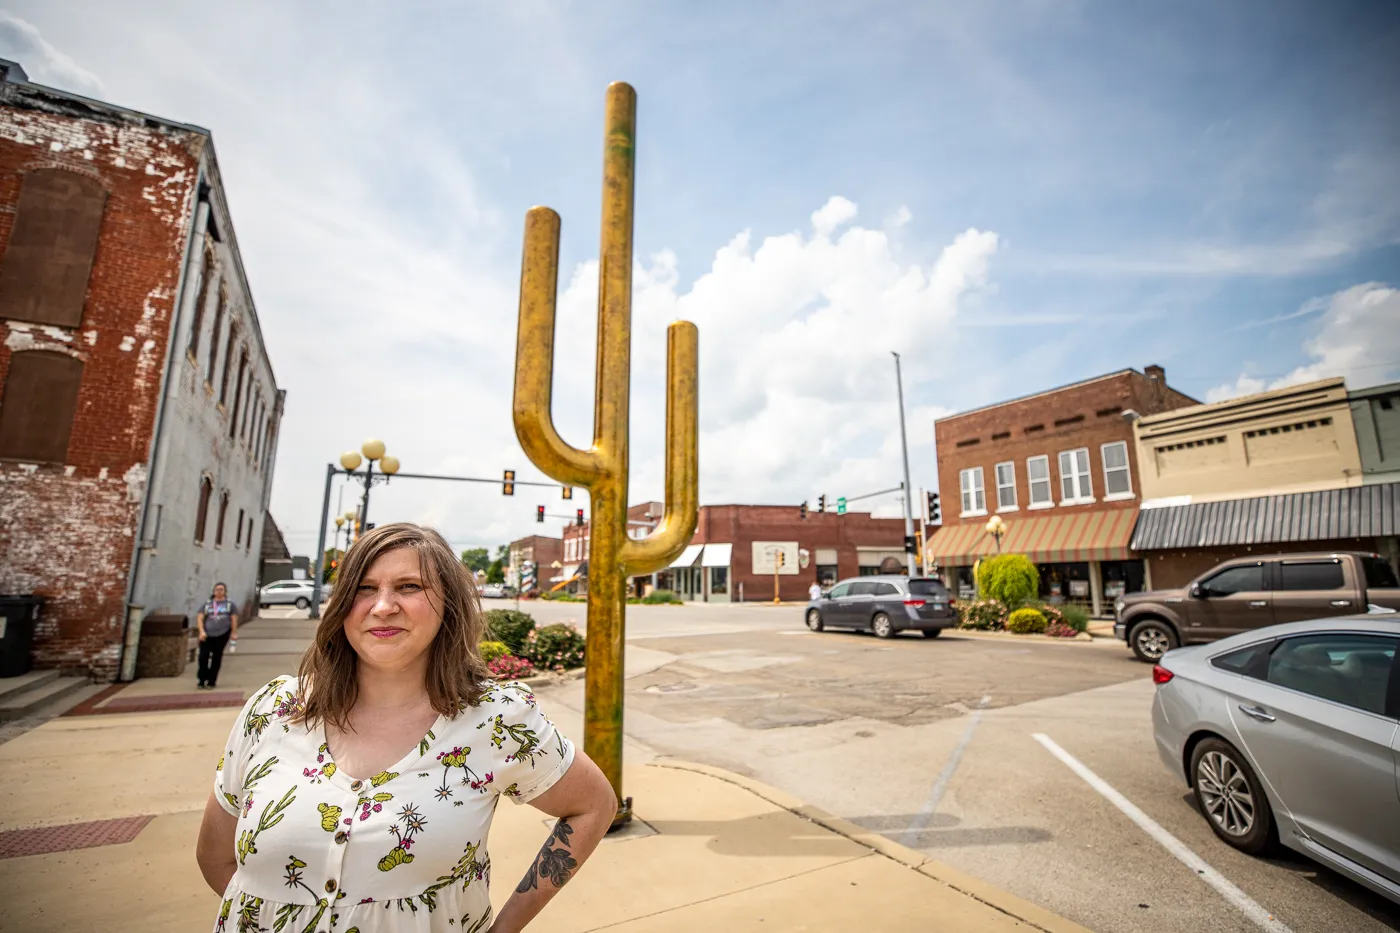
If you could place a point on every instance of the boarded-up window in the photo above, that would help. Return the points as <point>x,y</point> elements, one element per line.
<point>250,532</point>
<point>223,513</point>
<point>44,275</point>
<point>41,397</point>
<point>238,539</point>
<point>201,520</point>
<point>228,361</point>
<point>214,340</point>
<point>206,278</point>
<point>237,393</point>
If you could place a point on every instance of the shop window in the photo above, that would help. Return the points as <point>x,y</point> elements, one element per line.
<point>201,518</point>
<point>1075,485</point>
<point>40,401</point>
<point>974,497</point>
<point>1006,486</point>
<point>1038,473</point>
<point>719,580</point>
<point>1117,481</point>
<point>48,260</point>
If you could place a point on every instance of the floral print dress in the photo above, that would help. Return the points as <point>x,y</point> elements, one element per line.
<point>402,850</point>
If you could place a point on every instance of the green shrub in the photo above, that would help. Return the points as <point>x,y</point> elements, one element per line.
<point>661,597</point>
<point>1026,622</point>
<point>1076,617</point>
<point>510,626</point>
<point>558,647</point>
<point>491,650</point>
<point>1053,614</point>
<point>985,615</point>
<point>1008,578</point>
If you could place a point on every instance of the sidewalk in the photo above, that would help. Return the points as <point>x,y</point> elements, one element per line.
<point>112,805</point>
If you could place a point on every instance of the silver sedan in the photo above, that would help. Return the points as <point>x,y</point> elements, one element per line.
<point>1291,734</point>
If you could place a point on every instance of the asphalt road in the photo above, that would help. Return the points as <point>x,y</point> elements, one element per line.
<point>933,742</point>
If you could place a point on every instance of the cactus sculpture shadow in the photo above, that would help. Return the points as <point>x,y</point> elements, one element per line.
<point>603,468</point>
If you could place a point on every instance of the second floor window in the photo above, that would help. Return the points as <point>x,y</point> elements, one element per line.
<point>1006,486</point>
<point>974,497</point>
<point>1074,477</point>
<point>1038,478</point>
<point>1117,482</point>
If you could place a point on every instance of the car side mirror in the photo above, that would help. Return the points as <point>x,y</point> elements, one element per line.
<point>1197,592</point>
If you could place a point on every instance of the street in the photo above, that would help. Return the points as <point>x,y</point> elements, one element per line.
<point>931,743</point>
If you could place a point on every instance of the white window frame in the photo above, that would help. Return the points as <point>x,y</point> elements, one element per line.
<point>1125,469</point>
<point>1049,501</point>
<point>1083,480</point>
<point>1011,485</point>
<point>974,492</point>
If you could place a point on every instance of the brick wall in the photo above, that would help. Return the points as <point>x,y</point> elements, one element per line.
<point>1087,414</point>
<point>67,530</point>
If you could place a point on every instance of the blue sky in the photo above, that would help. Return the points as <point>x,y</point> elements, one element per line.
<point>1015,195</point>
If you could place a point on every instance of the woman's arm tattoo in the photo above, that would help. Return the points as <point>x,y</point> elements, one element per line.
<point>555,864</point>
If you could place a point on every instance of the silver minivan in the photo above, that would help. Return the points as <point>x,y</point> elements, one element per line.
<point>885,604</point>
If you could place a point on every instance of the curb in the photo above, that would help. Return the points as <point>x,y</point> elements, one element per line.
<point>1083,637</point>
<point>975,888</point>
<point>550,680</point>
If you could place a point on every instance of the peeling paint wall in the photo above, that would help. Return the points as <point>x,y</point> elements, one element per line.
<point>67,529</point>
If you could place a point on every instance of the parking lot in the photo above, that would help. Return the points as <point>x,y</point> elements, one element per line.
<point>1014,760</point>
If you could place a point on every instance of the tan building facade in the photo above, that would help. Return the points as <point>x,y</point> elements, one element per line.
<point>1298,439</point>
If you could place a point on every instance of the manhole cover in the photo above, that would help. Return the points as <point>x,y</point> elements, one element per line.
<point>683,687</point>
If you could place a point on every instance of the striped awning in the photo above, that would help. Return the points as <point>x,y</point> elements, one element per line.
<point>1050,539</point>
<point>1325,515</point>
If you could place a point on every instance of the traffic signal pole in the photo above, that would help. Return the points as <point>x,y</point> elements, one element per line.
<point>908,490</point>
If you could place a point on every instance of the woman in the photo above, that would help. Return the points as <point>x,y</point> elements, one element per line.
<point>360,792</point>
<point>218,623</point>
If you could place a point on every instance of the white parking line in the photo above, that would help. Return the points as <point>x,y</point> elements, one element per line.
<point>1247,905</point>
<point>940,786</point>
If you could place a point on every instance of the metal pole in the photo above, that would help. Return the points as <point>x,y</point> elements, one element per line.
<point>321,545</point>
<point>364,505</point>
<point>923,531</point>
<point>904,442</point>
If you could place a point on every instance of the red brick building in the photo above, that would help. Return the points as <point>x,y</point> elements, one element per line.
<point>541,551</point>
<point>1060,469</point>
<point>138,409</point>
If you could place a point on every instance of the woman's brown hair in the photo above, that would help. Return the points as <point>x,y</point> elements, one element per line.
<point>456,675</point>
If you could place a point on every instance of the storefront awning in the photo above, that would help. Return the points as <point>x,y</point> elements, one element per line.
<point>1079,536</point>
<point>1325,515</point>
<point>717,555</point>
<point>688,556</point>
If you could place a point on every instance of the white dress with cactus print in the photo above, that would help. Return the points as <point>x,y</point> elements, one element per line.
<point>402,850</point>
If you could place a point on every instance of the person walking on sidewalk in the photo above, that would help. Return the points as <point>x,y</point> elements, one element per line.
<point>218,623</point>
<point>359,793</point>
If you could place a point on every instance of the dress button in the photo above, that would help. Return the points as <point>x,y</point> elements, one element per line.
<point>356,785</point>
<point>330,886</point>
<point>340,837</point>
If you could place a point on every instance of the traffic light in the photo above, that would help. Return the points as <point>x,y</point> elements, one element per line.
<point>508,484</point>
<point>782,558</point>
<point>578,517</point>
<point>910,547</point>
<point>568,492</point>
<point>539,513</point>
<point>935,515</point>
<point>821,503</point>
<point>803,511</point>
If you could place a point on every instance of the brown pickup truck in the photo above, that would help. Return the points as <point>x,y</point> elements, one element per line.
<point>1252,592</point>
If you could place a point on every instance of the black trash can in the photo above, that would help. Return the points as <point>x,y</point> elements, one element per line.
<point>18,616</point>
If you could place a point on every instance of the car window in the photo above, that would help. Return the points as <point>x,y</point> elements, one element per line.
<point>1345,668</point>
<point>863,588</point>
<point>1313,575</point>
<point>927,588</point>
<point>886,589</point>
<point>1246,579</point>
<point>1379,573</point>
<point>1244,660</point>
<point>839,590</point>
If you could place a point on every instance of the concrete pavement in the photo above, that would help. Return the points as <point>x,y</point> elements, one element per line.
<point>709,849</point>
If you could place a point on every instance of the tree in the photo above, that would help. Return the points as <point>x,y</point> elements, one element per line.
<point>496,572</point>
<point>476,558</point>
<point>1009,578</point>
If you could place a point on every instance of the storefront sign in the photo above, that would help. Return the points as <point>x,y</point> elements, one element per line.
<point>1078,589</point>
<point>766,561</point>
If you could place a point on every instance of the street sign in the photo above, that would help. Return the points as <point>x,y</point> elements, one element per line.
<point>841,506</point>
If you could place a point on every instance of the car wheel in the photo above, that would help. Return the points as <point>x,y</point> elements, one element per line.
<point>262,605</point>
<point>1231,797</point>
<point>882,625</point>
<point>1151,639</point>
<point>814,620</point>
<point>303,602</point>
<point>932,632</point>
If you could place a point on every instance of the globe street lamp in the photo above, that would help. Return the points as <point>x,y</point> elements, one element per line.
<point>373,450</point>
<point>996,528</point>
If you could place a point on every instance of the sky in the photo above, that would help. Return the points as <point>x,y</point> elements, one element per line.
<point>1013,195</point>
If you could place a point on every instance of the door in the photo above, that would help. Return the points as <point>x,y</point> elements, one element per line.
<point>860,605</point>
<point>1234,599</point>
<point>889,599</point>
<point>836,609</point>
<point>1317,730</point>
<point>1313,589</point>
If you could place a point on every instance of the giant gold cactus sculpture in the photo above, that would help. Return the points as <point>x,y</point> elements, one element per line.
<point>602,468</point>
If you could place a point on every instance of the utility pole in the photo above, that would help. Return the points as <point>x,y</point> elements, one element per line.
<point>923,532</point>
<point>908,490</point>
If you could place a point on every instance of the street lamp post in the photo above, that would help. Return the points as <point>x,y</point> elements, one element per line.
<point>373,450</point>
<point>996,528</point>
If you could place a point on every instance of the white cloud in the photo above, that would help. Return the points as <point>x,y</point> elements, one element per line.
<point>22,42</point>
<point>1358,337</point>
